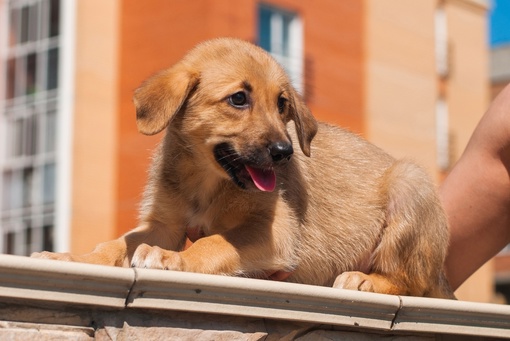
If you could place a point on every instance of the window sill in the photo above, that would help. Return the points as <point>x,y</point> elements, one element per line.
<point>38,293</point>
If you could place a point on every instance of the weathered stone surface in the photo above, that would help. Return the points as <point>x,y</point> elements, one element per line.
<point>43,332</point>
<point>335,335</point>
<point>127,333</point>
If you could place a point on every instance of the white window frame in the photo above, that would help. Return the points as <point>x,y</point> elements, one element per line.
<point>293,59</point>
<point>65,126</point>
<point>39,213</point>
<point>442,135</point>
<point>441,42</point>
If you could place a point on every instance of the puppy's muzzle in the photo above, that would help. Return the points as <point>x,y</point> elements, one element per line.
<point>255,168</point>
<point>280,151</point>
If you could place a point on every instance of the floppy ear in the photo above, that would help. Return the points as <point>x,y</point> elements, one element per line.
<point>306,125</point>
<point>160,97</point>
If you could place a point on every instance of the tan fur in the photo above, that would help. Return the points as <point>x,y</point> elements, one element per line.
<point>349,209</point>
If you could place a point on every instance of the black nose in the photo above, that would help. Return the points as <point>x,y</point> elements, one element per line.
<point>280,150</point>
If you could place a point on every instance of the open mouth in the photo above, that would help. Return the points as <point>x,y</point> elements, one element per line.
<point>243,172</point>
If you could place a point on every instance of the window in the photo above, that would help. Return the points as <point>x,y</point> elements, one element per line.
<point>441,42</point>
<point>443,142</point>
<point>29,116</point>
<point>281,34</point>
<point>442,135</point>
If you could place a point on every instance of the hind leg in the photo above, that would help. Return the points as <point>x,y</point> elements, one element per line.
<point>409,257</point>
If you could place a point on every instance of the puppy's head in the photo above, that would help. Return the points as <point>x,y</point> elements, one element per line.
<point>231,102</point>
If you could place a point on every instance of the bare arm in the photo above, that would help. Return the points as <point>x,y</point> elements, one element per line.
<point>476,194</point>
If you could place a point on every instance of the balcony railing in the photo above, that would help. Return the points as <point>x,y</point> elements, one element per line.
<point>52,299</point>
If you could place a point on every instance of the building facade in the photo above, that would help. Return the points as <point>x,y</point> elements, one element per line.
<point>410,77</point>
<point>31,102</point>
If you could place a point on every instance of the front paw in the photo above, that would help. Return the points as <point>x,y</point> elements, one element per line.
<point>52,255</point>
<point>154,257</point>
<point>354,280</point>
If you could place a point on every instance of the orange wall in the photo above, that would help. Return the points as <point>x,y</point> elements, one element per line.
<point>334,58</point>
<point>334,48</point>
<point>94,177</point>
<point>155,34</point>
<point>401,79</point>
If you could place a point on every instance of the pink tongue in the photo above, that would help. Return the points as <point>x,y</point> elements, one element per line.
<point>264,179</point>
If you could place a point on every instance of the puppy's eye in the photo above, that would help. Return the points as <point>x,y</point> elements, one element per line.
<point>238,99</point>
<point>281,104</point>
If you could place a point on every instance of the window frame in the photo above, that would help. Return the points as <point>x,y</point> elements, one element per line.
<point>25,217</point>
<point>288,51</point>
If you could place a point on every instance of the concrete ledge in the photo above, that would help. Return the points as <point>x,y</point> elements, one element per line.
<point>453,317</point>
<point>27,279</point>
<point>77,296</point>
<point>260,298</point>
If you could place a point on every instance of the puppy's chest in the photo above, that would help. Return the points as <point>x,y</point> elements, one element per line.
<point>212,218</point>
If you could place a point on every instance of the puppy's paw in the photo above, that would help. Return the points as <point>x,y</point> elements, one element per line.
<point>154,257</point>
<point>354,280</point>
<point>372,282</point>
<point>52,255</point>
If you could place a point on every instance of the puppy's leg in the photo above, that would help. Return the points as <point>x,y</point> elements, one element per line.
<point>119,252</point>
<point>213,255</point>
<point>108,253</point>
<point>409,257</point>
<point>246,251</point>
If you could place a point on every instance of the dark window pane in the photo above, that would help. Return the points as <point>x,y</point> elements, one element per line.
<point>28,240</point>
<point>48,238</point>
<point>10,239</point>
<point>11,78</point>
<point>54,18</point>
<point>31,134</point>
<point>17,148</point>
<point>52,81</point>
<point>31,74</point>
<point>285,39</point>
<point>33,22</point>
<point>19,70</point>
<point>49,183</point>
<point>7,190</point>
<point>24,24</point>
<point>28,179</point>
<point>265,28</point>
<point>14,27</point>
<point>51,131</point>
<point>12,190</point>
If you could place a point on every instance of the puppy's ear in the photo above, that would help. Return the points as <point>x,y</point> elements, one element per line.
<point>306,125</point>
<point>160,97</point>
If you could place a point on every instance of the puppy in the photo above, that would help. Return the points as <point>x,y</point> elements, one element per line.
<point>228,176</point>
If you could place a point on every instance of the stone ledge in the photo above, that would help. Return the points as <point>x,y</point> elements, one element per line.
<point>117,301</point>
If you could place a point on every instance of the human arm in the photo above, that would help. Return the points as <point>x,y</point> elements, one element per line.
<point>476,194</point>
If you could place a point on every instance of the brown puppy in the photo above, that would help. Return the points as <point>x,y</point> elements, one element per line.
<point>228,171</point>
